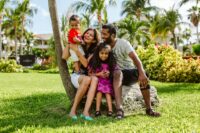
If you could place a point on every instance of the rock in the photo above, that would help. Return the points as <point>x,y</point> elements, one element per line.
<point>133,99</point>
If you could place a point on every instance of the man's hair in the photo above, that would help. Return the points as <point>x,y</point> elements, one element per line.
<point>74,18</point>
<point>111,28</point>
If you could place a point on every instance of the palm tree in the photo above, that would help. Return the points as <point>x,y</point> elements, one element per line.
<point>12,27</point>
<point>2,11</point>
<point>97,7</point>
<point>134,30</point>
<point>167,23</point>
<point>63,69</point>
<point>194,15</point>
<point>137,8</point>
<point>25,11</point>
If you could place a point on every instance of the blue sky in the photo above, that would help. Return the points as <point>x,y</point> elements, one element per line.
<point>42,22</point>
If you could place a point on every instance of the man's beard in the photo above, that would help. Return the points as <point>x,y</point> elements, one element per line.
<point>108,40</point>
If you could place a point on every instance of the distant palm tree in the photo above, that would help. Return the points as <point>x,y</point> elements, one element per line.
<point>194,15</point>
<point>134,30</point>
<point>137,8</point>
<point>167,23</point>
<point>2,13</point>
<point>97,7</point>
<point>24,11</point>
<point>12,27</point>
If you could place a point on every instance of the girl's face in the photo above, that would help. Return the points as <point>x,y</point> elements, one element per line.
<point>89,37</point>
<point>103,54</point>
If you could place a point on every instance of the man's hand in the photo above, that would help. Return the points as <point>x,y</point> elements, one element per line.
<point>143,80</point>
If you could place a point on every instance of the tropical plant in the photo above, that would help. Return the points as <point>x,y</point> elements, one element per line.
<point>98,7</point>
<point>24,12</point>
<point>194,15</point>
<point>134,30</point>
<point>2,13</point>
<point>137,8</point>
<point>12,27</point>
<point>163,25</point>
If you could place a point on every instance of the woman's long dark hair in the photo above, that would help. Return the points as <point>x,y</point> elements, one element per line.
<point>96,62</point>
<point>93,46</point>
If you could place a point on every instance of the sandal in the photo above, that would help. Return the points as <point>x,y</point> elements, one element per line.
<point>120,114</point>
<point>87,118</point>
<point>110,113</point>
<point>150,112</point>
<point>97,113</point>
<point>73,117</point>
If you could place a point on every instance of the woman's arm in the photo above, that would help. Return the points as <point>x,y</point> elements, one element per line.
<point>66,54</point>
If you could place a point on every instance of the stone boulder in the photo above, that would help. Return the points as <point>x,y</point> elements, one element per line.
<point>133,99</point>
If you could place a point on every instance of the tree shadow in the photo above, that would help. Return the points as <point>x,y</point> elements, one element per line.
<point>44,110</point>
<point>176,87</point>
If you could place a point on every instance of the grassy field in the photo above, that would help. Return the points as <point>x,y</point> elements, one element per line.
<point>33,102</point>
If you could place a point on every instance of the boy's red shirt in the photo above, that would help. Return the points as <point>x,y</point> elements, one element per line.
<point>73,33</point>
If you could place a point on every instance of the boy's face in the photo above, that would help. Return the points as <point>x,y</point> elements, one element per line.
<point>75,25</point>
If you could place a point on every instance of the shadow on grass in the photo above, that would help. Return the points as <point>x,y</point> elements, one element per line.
<point>45,110</point>
<point>176,87</point>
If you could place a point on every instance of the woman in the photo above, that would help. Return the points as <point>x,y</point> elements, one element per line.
<point>82,82</point>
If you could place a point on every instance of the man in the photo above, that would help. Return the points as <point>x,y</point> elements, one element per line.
<point>128,61</point>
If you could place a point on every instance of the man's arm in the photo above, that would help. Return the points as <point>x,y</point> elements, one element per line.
<point>142,76</point>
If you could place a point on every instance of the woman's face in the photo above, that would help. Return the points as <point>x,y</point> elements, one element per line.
<point>89,37</point>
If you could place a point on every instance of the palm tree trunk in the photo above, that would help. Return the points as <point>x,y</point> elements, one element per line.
<point>0,41</point>
<point>16,44</point>
<point>198,41</point>
<point>63,69</point>
<point>174,38</point>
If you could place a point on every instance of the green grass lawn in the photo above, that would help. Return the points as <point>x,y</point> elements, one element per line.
<point>35,102</point>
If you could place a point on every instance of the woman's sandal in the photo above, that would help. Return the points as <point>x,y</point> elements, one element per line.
<point>110,113</point>
<point>150,112</point>
<point>97,113</point>
<point>73,117</point>
<point>120,114</point>
<point>87,118</point>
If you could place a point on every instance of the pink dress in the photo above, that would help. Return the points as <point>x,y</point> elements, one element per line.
<point>104,84</point>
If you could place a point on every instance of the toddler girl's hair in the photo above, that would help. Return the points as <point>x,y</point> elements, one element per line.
<point>74,18</point>
<point>96,62</point>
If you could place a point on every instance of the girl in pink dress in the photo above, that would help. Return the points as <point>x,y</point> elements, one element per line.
<point>102,65</point>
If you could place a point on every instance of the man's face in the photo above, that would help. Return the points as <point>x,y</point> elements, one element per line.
<point>106,36</point>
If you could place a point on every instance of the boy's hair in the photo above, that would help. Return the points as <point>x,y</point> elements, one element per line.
<point>111,28</point>
<point>96,62</point>
<point>74,18</point>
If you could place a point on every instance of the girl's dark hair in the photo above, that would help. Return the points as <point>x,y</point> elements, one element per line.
<point>92,47</point>
<point>96,62</point>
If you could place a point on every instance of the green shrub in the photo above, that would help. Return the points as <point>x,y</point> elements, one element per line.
<point>166,64</point>
<point>9,66</point>
<point>196,49</point>
<point>40,67</point>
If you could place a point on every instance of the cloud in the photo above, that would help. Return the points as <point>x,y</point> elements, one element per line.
<point>41,10</point>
